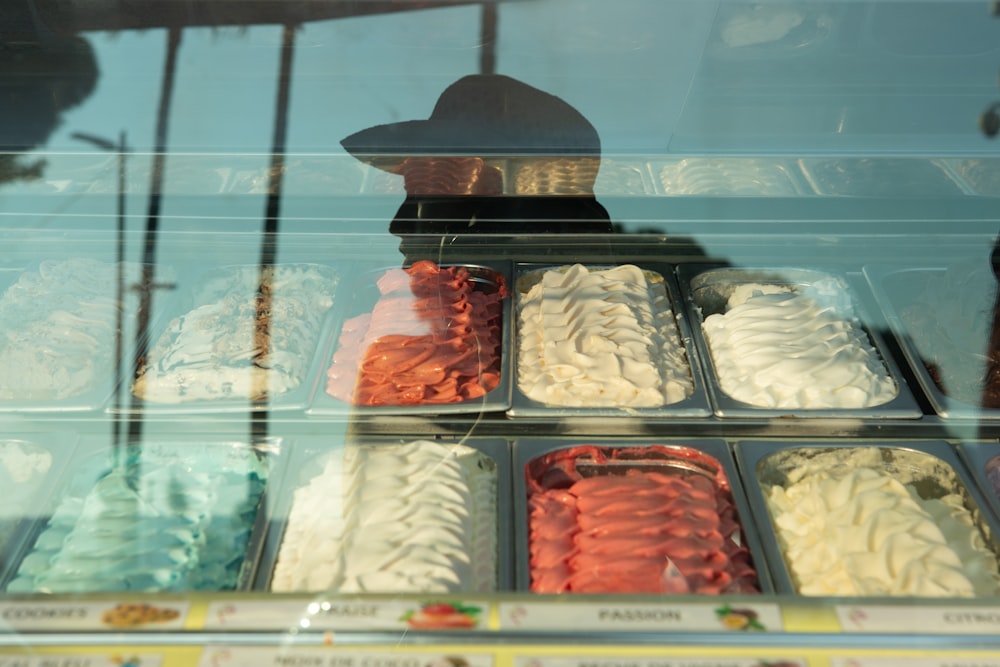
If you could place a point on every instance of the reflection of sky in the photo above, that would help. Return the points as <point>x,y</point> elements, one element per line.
<point>653,76</point>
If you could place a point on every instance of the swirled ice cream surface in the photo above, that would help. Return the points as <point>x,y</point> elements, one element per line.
<point>57,328</point>
<point>778,347</point>
<point>634,528</point>
<point>851,527</point>
<point>173,519</point>
<point>415,517</point>
<point>600,338</point>
<point>235,345</point>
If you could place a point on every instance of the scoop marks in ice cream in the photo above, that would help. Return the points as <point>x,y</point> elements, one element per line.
<point>417,517</point>
<point>238,345</point>
<point>849,526</point>
<point>640,527</point>
<point>180,522</point>
<point>433,337</point>
<point>600,338</point>
<point>57,328</point>
<point>777,347</point>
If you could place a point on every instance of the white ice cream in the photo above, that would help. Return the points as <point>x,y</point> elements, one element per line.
<point>419,517</point>
<point>57,329</point>
<point>600,338</point>
<point>213,353</point>
<point>779,348</point>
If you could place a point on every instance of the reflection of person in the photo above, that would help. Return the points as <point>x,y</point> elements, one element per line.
<point>41,76</point>
<point>454,165</point>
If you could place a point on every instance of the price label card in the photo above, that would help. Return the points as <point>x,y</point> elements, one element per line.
<point>284,614</point>
<point>907,619</point>
<point>70,660</point>
<point>273,656</point>
<point>63,616</point>
<point>592,661</point>
<point>600,617</point>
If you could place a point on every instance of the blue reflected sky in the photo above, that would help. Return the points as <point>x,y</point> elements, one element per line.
<point>658,78</point>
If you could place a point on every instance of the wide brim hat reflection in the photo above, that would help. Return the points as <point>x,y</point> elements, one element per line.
<point>482,115</point>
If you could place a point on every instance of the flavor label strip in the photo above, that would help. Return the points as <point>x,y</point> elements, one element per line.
<point>64,616</point>
<point>309,614</point>
<point>70,660</point>
<point>264,656</point>
<point>913,662</point>
<point>917,620</point>
<point>590,661</point>
<point>594,616</point>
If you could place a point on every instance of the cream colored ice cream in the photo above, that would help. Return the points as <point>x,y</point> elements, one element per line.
<point>775,347</point>
<point>850,527</point>
<point>419,517</point>
<point>600,338</point>
<point>213,351</point>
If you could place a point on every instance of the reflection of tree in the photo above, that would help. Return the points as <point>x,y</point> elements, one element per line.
<point>40,78</point>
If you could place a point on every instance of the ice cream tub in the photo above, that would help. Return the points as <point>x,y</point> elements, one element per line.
<point>30,464</point>
<point>226,346</point>
<point>943,319</point>
<point>790,342</point>
<point>736,176</point>
<point>423,339</point>
<point>167,516</point>
<point>379,515</point>
<point>64,324</point>
<point>983,462</point>
<point>880,177</point>
<point>603,341</point>
<point>893,519</point>
<point>606,516</point>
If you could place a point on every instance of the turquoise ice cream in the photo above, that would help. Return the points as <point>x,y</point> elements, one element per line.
<point>184,524</point>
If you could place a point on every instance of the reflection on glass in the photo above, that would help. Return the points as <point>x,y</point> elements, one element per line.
<point>42,75</point>
<point>489,137</point>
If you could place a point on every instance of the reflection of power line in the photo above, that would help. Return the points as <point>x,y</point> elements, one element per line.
<point>147,282</point>
<point>269,240</point>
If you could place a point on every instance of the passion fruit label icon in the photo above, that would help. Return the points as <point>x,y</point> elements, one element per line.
<point>739,618</point>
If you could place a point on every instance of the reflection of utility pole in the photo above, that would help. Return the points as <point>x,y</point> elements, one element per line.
<point>989,120</point>
<point>147,283</point>
<point>121,148</point>
<point>269,238</point>
<point>488,38</point>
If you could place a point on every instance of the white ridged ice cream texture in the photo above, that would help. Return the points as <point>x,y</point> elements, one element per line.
<point>855,529</point>
<point>600,338</point>
<point>211,352</point>
<point>778,348</point>
<point>418,517</point>
<point>57,328</point>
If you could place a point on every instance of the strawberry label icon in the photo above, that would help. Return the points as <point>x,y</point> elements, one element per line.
<point>437,615</point>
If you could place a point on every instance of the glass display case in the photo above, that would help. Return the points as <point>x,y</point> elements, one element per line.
<point>534,333</point>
